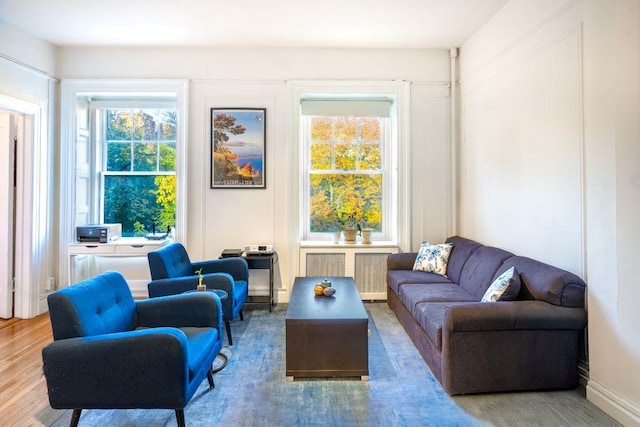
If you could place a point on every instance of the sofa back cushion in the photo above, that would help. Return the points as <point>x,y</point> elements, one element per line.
<point>480,269</point>
<point>462,249</point>
<point>99,305</point>
<point>545,282</point>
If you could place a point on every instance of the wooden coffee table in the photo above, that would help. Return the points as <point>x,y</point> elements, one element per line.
<point>326,336</point>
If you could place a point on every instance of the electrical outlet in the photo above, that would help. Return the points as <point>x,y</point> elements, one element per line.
<point>51,284</point>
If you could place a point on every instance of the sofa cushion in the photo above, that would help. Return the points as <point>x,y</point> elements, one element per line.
<point>545,282</point>
<point>462,249</point>
<point>396,278</point>
<point>430,316</point>
<point>504,288</point>
<point>412,294</point>
<point>201,342</point>
<point>433,258</point>
<point>480,269</point>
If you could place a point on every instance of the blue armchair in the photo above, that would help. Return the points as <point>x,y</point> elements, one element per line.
<point>111,352</point>
<point>172,273</point>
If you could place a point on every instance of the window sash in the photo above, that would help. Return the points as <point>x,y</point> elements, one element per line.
<point>386,147</point>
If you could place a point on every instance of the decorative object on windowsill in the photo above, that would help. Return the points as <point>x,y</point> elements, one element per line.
<point>201,286</point>
<point>336,236</point>
<point>366,235</point>
<point>157,236</point>
<point>350,233</point>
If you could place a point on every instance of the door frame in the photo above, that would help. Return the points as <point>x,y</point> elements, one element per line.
<point>31,220</point>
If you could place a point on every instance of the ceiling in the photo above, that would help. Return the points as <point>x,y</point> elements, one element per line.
<point>415,24</point>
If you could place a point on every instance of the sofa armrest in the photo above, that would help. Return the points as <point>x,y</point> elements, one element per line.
<point>197,309</point>
<point>100,372</point>
<point>401,261</point>
<point>237,267</point>
<point>512,315</point>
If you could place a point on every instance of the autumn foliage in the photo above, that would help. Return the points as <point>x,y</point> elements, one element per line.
<point>345,173</point>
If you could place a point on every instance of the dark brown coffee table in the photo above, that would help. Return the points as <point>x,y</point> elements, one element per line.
<point>326,336</point>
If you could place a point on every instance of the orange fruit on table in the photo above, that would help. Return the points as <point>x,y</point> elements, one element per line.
<point>318,290</point>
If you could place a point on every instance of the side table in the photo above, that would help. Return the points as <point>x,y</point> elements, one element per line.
<point>264,262</point>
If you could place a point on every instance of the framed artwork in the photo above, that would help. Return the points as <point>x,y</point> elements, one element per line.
<point>238,142</point>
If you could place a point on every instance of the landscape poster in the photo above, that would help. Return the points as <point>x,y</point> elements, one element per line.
<point>238,147</point>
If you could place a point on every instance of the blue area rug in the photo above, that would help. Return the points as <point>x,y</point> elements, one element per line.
<point>252,391</point>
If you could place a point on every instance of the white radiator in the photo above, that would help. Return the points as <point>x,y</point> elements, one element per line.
<point>367,266</point>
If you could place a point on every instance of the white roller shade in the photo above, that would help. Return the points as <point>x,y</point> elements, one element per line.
<point>346,108</point>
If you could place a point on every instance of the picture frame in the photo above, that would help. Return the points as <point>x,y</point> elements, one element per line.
<point>238,147</point>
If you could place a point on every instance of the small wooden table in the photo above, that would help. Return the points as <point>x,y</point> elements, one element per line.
<point>326,336</point>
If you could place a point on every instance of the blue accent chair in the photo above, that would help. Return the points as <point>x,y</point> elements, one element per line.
<point>172,273</point>
<point>111,352</point>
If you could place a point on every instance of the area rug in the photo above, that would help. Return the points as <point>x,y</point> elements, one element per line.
<point>252,390</point>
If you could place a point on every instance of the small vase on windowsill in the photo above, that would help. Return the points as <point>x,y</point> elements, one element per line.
<point>366,236</point>
<point>350,235</point>
<point>336,236</point>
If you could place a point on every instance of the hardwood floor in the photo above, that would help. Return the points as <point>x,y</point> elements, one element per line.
<point>23,391</point>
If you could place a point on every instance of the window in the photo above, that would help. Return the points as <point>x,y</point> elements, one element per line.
<point>347,166</point>
<point>138,158</point>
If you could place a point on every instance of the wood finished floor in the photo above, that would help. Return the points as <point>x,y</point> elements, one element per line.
<point>23,391</point>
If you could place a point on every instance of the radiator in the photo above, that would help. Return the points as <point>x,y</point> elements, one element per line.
<point>367,266</point>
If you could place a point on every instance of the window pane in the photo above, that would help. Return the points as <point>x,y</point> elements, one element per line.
<point>167,156</point>
<point>119,156</point>
<point>344,128</point>
<point>320,128</point>
<point>168,125</point>
<point>321,156</point>
<point>369,157</point>
<point>145,155</point>
<point>139,203</point>
<point>118,125</point>
<point>346,156</point>
<point>369,129</point>
<point>336,199</point>
<point>145,126</point>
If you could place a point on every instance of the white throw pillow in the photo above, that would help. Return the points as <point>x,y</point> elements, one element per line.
<point>499,286</point>
<point>433,258</point>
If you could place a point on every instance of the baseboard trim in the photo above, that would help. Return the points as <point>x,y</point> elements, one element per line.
<point>618,408</point>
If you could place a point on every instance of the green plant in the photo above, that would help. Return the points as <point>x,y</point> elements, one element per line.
<point>201,285</point>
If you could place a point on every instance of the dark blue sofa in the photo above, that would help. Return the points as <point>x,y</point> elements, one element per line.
<point>530,343</point>
<point>111,352</point>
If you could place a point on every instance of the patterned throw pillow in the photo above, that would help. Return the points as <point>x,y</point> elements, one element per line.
<point>505,287</point>
<point>433,258</point>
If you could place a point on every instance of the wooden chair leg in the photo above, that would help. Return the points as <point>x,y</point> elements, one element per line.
<point>180,417</point>
<point>75,417</point>
<point>227,325</point>
<point>210,378</point>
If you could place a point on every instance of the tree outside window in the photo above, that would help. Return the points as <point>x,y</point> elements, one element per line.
<point>139,169</point>
<point>345,172</point>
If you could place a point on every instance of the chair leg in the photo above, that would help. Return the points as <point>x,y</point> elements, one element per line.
<point>180,417</point>
<point>241,315</point>
<point>75,417</point>
<point>227,325</point>
<point>210,378</point>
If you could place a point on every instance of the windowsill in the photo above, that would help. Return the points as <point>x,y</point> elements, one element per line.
<point>342,244</point>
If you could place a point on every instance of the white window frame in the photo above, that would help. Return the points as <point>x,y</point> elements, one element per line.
<point>70,91</point>
<point>399,91</point>
<point>98,109</point>
<point>388,148</point>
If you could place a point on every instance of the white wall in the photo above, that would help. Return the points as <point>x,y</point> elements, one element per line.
<point>219,219</point>
<point>549,162</point>
<point>26,67</point>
